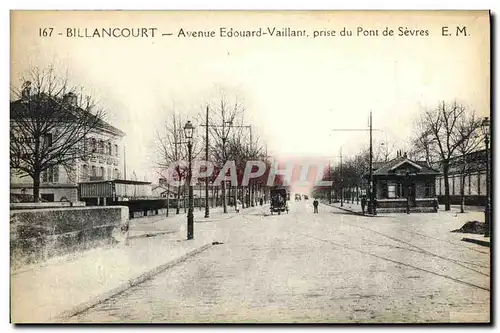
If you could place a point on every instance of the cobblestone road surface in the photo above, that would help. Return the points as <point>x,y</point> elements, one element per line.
<point>326,267</point>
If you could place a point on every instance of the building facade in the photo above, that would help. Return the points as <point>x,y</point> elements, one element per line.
<point>60,183</point>
<point>471,169</point>
<point>403,185</point>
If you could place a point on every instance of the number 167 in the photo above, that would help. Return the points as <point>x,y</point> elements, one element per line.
<point>45,32</point>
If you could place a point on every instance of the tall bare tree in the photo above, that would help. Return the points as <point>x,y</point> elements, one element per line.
<point>438,133</point>
<point>49,122</point>
<point>171,148</point>
<point>225,111</point>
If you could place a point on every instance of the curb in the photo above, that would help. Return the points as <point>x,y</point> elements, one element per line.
<point>125,286</point>
<point>151,234</point>
<point>351,211</point>
<point>477,241</point>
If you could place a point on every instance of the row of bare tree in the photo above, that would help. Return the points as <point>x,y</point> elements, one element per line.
<point>229,139</point>
<point>443,137</point>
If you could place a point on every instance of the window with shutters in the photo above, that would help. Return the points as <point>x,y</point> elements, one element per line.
<point>100,149</point>
<point>51,174</point>
<point>93,144</point>
<point>84,172</point>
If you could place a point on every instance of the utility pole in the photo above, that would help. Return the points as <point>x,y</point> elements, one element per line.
<point>370,185</point>
<point>371,209</point>
<point>224,194</point>
<point>207,209</point>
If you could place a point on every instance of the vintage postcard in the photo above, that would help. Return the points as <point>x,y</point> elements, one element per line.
<point>250,167</point>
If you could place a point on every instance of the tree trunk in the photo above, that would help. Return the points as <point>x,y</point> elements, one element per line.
<point>216,198</point>
<point>447,205</point>
<point>236,197</point>
<point>213,196</point>
<point>36,186</point>
<point>252,194</point>
<point>178,207</point>
<point>223,194</point>
<point>168,197</point>
<point>244,204</point>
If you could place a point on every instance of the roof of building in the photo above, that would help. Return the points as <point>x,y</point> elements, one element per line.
<point>17,110</point>
<point>388,168</point>
<point>474,161</point>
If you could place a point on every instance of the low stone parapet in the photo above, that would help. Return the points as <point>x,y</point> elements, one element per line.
<point>40,234</point>
<point>399,205</point>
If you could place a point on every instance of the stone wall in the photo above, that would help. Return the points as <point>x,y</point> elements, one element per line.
<point>39,234</point>
<point>399,205</point>
<point>470,200</point>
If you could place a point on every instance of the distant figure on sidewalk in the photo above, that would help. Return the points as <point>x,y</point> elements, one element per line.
<point>363,203</point>
<point>261,201</point>
<point>315,204</point>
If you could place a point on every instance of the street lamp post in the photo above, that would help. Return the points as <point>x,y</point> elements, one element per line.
<point>188,132</point>
<point>485,126</point>
<point>207,209</point>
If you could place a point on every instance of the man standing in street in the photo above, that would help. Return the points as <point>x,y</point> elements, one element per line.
<point>363,203</point>
<point>315,204</point>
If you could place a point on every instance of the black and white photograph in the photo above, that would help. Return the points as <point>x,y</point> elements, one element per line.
<point>250,167</point>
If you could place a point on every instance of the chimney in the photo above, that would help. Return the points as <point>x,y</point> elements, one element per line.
<point>70,98</point>
<point>26,90</point>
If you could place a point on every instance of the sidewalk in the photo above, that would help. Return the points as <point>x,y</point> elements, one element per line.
<point>162,225</point>
<point>61,288</point>
<point>356,208</point>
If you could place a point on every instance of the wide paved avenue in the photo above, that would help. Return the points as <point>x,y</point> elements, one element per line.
<point>326,267</point>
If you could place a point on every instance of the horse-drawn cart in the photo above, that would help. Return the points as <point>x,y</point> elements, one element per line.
<point>279,198</point>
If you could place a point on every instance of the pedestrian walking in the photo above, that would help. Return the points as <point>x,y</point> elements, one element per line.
<point>315,204</point>
<point>363,203</point>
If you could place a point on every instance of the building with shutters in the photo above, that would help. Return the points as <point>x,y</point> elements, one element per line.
<point>60,183</point>
<point>403,185</point>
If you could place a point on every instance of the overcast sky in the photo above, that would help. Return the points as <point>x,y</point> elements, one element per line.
<point>296,90</point>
